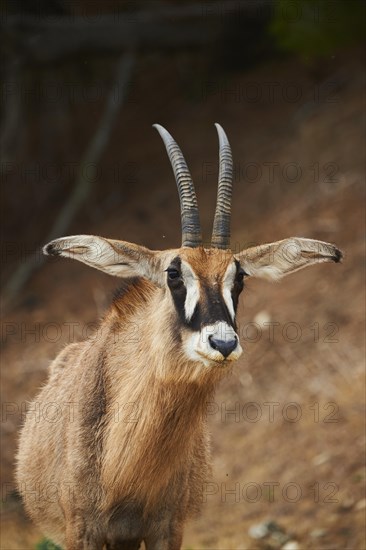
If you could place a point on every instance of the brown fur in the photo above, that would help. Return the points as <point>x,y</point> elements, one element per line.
<point>133,458</point>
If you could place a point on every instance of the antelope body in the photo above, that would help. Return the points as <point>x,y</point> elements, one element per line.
<point>127,459</point>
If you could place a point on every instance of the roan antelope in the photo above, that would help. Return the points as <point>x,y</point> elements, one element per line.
<point>99,478</point>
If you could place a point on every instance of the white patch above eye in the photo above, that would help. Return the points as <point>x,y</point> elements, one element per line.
<point>193,290</point>
<point>227,286</point>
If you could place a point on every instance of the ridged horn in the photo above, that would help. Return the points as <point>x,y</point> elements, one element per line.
<point>191,228</point>
<point>221,226</point>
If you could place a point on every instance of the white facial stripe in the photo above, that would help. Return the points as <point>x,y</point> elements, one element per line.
<point>193,290</point>
<point>227,286</point>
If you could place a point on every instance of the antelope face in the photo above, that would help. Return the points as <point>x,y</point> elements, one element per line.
<point>205,285</point>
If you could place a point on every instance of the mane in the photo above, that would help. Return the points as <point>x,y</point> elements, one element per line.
<point>133,293</point>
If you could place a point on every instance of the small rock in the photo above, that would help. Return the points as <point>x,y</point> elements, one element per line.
<point>361,504</point>
<point>246,379</point>
<point>318,533</point>
<point>347,504</point>
<point>320,459</point>
<point>258,531</point>
<point>291,545</point>
<point>262,319</point>
<point>261,530</point>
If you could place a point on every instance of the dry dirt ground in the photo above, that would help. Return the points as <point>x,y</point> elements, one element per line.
<point>288,426</point>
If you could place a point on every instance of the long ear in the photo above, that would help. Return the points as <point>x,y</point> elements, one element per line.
<point>275,260</point>
<point>117,258</point>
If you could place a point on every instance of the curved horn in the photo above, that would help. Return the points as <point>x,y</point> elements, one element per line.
<point>191,228</point>
<point>221,226</point>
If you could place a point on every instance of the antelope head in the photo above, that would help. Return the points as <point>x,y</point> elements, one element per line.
<point>200,286</point>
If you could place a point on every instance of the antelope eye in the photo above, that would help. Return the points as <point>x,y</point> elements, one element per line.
<point>240,275</point>
<point>173,273</point>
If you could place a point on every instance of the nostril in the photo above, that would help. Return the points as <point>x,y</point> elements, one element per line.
<point>225,347</point>
<point>212,341</point>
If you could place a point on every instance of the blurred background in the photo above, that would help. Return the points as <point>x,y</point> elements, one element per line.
<point>82,83</point>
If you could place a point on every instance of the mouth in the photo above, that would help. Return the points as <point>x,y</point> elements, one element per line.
<point>218,359</point>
